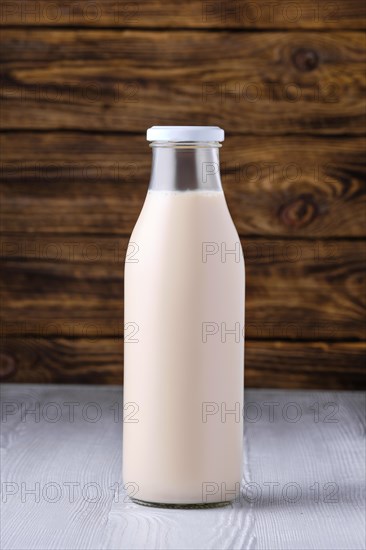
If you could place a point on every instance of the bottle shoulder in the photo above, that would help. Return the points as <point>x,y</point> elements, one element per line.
<point>184,219</point>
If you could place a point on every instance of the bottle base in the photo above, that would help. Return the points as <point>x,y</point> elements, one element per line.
<point>181,506</point>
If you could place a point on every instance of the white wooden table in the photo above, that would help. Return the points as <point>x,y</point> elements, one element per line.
<point>61,485</point>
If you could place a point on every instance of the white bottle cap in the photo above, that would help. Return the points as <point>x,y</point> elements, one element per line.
<point>185,133</point>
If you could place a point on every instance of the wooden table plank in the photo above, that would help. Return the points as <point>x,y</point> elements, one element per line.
<point>311,290</point>
<point>91,360</point>
<point>301,484</point>
<point>207,14</point>
<point>76,183</point>
<point>259,83</point>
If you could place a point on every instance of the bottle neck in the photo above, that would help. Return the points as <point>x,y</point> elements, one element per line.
<point>185,167</point>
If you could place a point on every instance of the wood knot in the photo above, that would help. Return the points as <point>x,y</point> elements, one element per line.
<point>7,366</point>
<point>305,59</point>
<point>299,212</point>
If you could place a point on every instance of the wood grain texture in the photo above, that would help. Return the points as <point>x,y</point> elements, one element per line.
<point>87,360</point>
<point>272,83</point>
<point>301,483</point>
<point>207,14</point>
<point>94,183</point>
<point>96,360</point>
<point>310,290</point>
<point>73,182</point>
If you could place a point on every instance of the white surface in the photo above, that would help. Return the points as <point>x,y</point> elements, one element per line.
<point>185,133</point>
<point>324,446</point>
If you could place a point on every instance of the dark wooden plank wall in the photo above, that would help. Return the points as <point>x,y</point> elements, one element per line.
<point>81,82</point>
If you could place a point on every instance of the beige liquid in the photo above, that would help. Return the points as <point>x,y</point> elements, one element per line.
<point>170,454</point>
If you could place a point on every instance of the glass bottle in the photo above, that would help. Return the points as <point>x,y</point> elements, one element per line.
<point>184,324</point>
